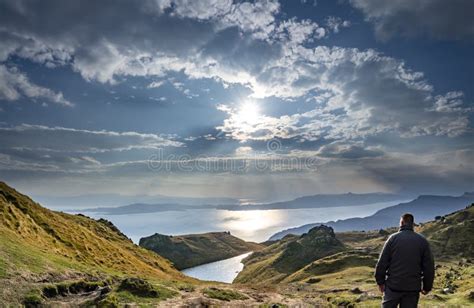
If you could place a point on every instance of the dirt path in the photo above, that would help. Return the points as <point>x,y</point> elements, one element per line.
<point>256,298</point>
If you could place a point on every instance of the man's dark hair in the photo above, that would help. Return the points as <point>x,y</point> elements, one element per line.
<point>408,219</point>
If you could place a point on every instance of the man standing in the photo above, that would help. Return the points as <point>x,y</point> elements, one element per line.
<point>405,267</point>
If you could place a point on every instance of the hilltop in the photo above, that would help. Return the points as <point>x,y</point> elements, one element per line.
<point>195,249</point>
<point>452,236</point>
<point>281,259</point>
<point>425,208</point>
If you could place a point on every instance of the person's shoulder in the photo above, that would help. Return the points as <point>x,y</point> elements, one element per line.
<point>421,237</point>
<point>393,236</point>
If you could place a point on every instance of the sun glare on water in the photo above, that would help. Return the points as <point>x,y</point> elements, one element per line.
<point>247,224</point>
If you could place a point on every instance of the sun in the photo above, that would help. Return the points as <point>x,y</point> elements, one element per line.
<point>248,113</point>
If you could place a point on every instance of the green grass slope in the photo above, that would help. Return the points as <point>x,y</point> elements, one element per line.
<point>69,240</point>
<point>281,259</point>
<point>452,236</point>
<point>346,278</point>
<point>40,245</point>
<point>195,249</point>
<point>290,260</point>
<point>334,263</point>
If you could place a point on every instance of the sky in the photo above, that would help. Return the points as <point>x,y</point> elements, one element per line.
<point>260,100</point>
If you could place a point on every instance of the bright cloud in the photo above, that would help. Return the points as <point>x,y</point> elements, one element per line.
<point>14,85</point>
<point>365,93</point>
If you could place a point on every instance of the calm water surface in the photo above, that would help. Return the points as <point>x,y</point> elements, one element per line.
<point>256,225</point>
<point>224,270</point>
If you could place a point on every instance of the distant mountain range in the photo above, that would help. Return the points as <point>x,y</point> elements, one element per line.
<point>114,200</point>
<point>424,208</point>
<point>321,201</point>
<point>137,208</point>
<point>315,201</point>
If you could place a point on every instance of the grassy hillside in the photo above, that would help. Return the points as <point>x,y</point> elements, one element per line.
<point>37,244</point>
<point>345,278</point>
<point>283,258</point>
<point>452,236</point>
<point>334,263</point>
<point>195,249</point>
<point>75,240</point>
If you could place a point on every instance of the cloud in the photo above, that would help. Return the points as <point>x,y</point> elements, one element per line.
<point>37,162</point>
<point>450,102</point>
<point>343,97</point>
<point>101,47</point>
<point>70,140</point>
<point>262,128</point>
<point>57,151</point>
<point>140,44</point>
<point>293,32</point>
<point>15,85</point>
<point>357,94</point>
<point>243,151</point>
<point>335,24</point>
<point>448,172</point>
<point>90,160</point>
<point>207,9</point>
<point>348,151</point>
<point>257,17</point>
<point>440,19</point>
<point>155,84</point>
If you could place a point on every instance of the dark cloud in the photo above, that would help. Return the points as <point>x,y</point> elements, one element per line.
<point>122,37</point>
<point>447,173</point>
<point>440,19</point>
<point>239,52</point>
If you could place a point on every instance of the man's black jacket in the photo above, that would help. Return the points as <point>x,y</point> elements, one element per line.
<point>405,262</point>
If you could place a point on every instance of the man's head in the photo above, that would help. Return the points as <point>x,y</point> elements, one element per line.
<point>407,220</point>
